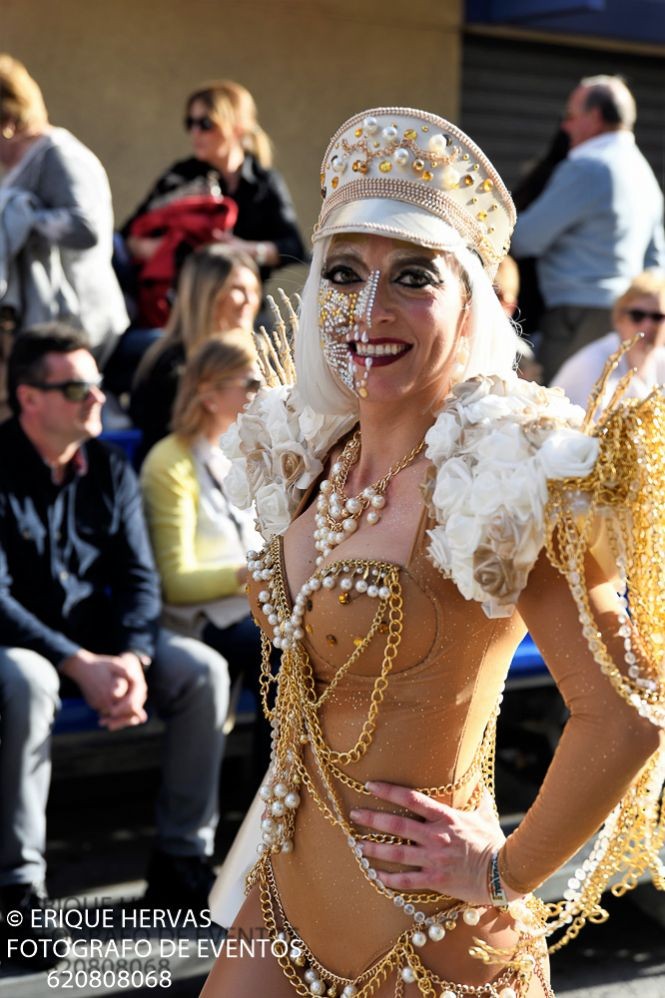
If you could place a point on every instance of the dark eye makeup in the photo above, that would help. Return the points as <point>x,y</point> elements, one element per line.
<point>409,275</point>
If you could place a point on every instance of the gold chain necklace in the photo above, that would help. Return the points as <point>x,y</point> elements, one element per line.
<point>337,515</point>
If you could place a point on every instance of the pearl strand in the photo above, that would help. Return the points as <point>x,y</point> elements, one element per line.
<point>337,517</point>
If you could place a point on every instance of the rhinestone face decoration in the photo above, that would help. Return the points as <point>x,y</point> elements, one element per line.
<point>345,317</point>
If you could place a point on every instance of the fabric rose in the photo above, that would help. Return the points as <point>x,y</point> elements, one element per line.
<point>525,490</point>
<point>569,453</point>
<point>472,390</point>
<point>497,443</point>
<point>498,577</point>
<point>441,438</point>
<point>258,468</point>
<point>311,423</point>
<point>492,407</point>
<point>463,533</point>
<point>506,444</point>
<point>252,430</point>
<point>236,485</point>
<point>272,510</point>
<point>510,537</point>
<point>453,486</point>
<point>489,492</point>
<point>296,465</point>
<point>229,442</point>
<point>439,548</point>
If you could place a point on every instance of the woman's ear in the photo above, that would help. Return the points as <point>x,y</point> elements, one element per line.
<point>207,398</point>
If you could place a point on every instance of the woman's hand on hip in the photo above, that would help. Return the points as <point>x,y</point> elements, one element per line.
<point>448,849</point>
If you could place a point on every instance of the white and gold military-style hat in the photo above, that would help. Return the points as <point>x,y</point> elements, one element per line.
<point>398,172</point>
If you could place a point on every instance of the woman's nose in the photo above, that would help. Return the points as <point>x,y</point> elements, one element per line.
<point>381,305</point>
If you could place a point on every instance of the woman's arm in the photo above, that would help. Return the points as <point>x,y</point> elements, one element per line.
<point>604,746</point>
<point>76,199</point>
<point>171,493</point>
<point>605,742</point>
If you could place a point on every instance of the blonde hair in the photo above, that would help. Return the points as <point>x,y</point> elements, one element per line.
<point>214,362</point>
<point>21,101</point>
<point>232,107</point>
<point>204,275</point>
<point>649,282</point>
<point>493,338</point>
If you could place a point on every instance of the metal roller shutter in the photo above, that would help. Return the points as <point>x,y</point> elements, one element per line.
<point>513,93</point>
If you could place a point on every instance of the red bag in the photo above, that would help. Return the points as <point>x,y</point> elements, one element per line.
<point>188,222</point>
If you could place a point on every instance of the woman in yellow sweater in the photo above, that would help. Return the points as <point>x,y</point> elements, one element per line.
<point>199,538</point>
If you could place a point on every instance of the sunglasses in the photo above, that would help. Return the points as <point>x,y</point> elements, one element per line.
<point>73,391</point>
<point>249,384</point>
<point>639,315</point>
<point>204,124</point>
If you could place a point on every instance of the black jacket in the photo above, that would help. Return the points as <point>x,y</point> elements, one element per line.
<point>76,569</point>
<point>265,208</point>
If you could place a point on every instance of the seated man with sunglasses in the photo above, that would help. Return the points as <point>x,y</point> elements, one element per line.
<point>640,309</point>
<point>79,603</point>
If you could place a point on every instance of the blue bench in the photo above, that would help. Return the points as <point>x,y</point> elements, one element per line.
<point>128,440</point>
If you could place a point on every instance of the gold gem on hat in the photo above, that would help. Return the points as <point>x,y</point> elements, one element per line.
<point>413,157</point>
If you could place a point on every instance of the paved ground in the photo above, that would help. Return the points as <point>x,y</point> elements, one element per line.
<point>99,842</point>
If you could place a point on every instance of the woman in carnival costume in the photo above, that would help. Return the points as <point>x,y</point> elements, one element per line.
<point>406,487</point>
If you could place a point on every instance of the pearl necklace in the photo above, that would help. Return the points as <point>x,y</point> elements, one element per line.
<point>336,515</point>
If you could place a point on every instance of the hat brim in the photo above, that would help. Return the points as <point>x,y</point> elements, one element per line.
<point>392,219</point>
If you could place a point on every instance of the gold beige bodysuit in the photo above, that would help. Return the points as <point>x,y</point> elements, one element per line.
<point>392,675</point>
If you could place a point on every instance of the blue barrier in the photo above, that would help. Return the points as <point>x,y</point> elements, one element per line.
<point>75,715</point>
<point>527,664</point>
<point>128,439</point>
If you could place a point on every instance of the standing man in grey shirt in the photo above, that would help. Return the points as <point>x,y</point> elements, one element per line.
<point>597,224</point>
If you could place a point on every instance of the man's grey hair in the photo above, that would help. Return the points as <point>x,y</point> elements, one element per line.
<point>612,98</point>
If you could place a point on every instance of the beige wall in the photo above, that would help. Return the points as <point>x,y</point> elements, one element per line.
<point>116,72</point>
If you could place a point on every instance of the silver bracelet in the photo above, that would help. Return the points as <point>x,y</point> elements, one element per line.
<point>496,889</point>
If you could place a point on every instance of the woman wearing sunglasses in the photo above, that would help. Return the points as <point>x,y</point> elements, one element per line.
<point>199,538</point>
<point>232,156</point>
<point>640,309</point>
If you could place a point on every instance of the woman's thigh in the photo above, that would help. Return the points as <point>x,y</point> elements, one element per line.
<point>255,971</point>
<point>247,970</point>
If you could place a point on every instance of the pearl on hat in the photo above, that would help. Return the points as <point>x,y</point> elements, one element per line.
<point>437,143</point>
<point>449,178</point>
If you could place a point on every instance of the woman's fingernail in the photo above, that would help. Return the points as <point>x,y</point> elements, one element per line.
<point>354,815</point>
